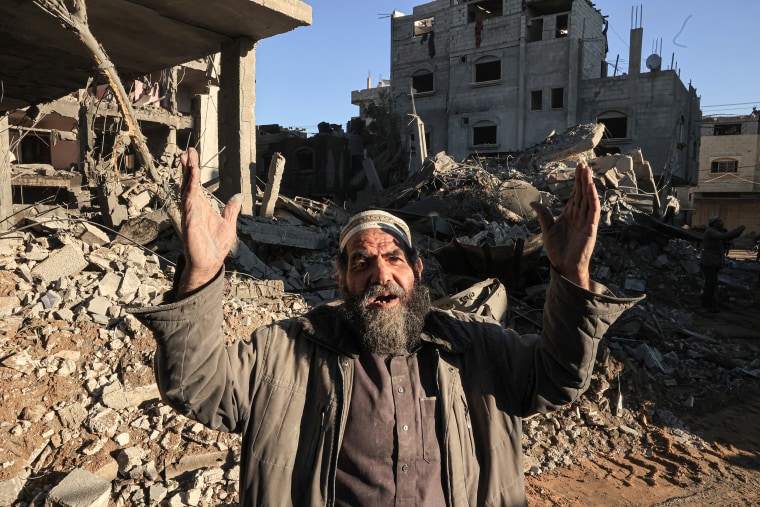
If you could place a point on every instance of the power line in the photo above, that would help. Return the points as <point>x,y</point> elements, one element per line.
<point>735,104</point>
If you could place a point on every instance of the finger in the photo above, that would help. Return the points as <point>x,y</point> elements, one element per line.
<point>545,218</point>
<point>191,172</point>
<point>587,197</point>
<point>232,208</point>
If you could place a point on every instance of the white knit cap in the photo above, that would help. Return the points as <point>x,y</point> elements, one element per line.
<point>375,219</point>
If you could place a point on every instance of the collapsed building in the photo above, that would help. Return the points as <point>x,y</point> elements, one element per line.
<point>492,77</point>
<point>98,434</point>
<point>68,276</point>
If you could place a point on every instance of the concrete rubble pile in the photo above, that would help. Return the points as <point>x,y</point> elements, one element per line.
<point>82,423</point>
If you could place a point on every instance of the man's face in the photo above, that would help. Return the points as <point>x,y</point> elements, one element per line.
<point>382,300</point>
<point>376,257</point>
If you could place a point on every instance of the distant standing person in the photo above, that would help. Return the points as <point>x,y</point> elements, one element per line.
<point>713,253</point>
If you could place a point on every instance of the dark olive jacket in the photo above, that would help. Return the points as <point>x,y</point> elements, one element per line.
<point>287,389</point>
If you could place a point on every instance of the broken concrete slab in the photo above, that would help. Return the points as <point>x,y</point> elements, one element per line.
<point>66,261</point>
<point>80,488</point>
<point>115,396</point>
<point>576,141</point>
<point>92,235</point>
<point>275,233</point>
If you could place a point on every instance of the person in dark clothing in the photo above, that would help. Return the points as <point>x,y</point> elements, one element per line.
<point>713,256</point>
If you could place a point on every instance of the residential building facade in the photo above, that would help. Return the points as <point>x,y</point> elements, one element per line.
<point>729,171</point>
<point>496,76</point>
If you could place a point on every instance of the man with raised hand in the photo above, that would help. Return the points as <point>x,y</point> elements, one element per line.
<point>379,399</point>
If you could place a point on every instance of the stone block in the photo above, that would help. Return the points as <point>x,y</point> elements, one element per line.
<point>10,490</point>
<point>92,235</point>
<point>66,261</point>
<point>109,284</point>
<point>98,305</point>
<point>80,489</point>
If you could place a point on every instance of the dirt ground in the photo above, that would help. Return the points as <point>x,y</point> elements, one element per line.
<point>722,469</point>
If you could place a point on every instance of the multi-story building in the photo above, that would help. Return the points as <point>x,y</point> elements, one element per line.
<point>496,76</point>
<point>729,168</point>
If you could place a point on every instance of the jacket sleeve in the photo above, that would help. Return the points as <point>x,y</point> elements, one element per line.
<point>574,322</point>
<point>714,234</point>
<point>196,373</point>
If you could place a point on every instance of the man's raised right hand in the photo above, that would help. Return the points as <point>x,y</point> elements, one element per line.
<point>207,237</point>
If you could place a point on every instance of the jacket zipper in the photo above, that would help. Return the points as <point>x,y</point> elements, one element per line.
<point>342,364</point>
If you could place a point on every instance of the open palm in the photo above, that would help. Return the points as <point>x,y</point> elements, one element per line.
<point>207,236</point>
<point>569,239</point>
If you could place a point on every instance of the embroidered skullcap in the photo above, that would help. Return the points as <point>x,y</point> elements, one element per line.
<point>375,219</point>
<point>713,219</point>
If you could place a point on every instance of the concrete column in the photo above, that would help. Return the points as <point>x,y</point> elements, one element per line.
<point>173,80</point>
<point>575,64</point>
<point>272,190</point>
<point>86,162</point>
<point>237,123</point>
<point>634,53</point>
<point>521,88</point>
<point>207,132</point>
<point>6,194</point>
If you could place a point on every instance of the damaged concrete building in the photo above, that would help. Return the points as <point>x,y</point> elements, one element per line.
<point>496,76</point>
<point>149,44</point>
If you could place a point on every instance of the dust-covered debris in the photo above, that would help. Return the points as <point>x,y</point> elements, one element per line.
<point>80,404</point>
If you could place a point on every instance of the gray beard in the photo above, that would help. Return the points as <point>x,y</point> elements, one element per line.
<point>393,331</point>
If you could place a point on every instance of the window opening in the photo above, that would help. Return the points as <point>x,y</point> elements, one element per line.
<point>536,30</point>
<point>488,71</point>
<point>615,125</point>
<point>562,28</point>
<point>422,81</point>
<point>536,100</point>
<point>486,9</point>
<point>558,98</point>
<point>304,160</point>
<point>484,134</point>
<point>727,129</point>
<point>423,26</point>
<point>724,166</point>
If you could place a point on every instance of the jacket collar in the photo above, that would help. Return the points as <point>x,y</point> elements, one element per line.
<point>325,326</point>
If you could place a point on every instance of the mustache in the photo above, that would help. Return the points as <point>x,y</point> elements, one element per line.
<point>382,289</point>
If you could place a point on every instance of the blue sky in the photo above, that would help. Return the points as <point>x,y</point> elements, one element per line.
<point>306,76</point>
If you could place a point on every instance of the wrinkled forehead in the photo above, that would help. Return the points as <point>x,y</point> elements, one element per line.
<point>374,241</point>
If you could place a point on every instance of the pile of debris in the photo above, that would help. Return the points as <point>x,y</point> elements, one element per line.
<point>81,422</point>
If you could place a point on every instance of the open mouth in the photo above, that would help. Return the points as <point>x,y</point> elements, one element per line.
<point>382,297</point>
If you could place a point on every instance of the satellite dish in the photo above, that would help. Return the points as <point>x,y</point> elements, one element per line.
<point>654,61</point>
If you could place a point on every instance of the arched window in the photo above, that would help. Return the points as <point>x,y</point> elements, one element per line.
<point>724,165</point>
